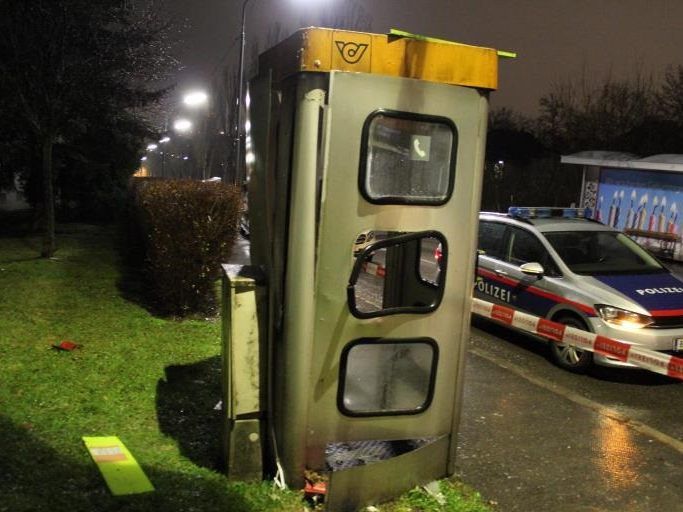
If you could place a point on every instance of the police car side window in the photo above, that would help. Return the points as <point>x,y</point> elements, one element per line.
<point>491,239</point>
<point>525,247</point>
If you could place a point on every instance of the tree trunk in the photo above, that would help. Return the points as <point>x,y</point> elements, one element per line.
<point>49,245</point>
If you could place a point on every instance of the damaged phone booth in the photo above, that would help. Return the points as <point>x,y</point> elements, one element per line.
<point>344,340</point>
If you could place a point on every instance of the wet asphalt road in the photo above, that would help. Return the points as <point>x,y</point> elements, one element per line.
<point>535,438</point>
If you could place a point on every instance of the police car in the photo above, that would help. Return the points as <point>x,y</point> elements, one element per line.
<point>564,266</point>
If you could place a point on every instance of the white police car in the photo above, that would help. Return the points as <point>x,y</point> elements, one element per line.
<point>561,265</point>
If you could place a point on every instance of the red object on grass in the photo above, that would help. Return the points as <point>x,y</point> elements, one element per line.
<point>66,345</point>
<point>315,488</point>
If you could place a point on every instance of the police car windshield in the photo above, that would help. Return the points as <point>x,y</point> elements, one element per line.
<point>602,252</point>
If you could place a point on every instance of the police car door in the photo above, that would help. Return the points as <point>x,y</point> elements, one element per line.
<point>527,292</point>
<point>492,283</point>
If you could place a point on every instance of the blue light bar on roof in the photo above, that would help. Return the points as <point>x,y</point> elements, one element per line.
<point>545,212</point>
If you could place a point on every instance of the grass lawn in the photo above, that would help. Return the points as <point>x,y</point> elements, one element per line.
<point>150,381</point>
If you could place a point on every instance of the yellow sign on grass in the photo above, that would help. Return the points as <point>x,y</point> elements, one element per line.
<point>120,470</point>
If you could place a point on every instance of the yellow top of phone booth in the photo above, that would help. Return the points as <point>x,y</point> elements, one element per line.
<point>317,49</point>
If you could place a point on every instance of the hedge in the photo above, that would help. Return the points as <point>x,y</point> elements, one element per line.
<point>189,228</point>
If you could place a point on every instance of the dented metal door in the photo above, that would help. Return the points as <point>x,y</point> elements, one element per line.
<point>402,158</point>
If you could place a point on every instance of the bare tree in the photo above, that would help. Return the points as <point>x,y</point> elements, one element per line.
<point>507,119</point>
<point>670,96</point>
<point>582,114</point>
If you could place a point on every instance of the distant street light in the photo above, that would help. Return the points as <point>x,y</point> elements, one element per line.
<point>195,99</point>
<point>182,125</point>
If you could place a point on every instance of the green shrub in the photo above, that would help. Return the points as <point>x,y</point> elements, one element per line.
<point>189,229</point>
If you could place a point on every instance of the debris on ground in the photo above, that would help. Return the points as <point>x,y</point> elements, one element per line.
<point>315,488</point>
<point>66,345</point>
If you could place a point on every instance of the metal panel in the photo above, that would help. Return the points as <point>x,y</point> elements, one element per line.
<point>260,184</point>
<point>353,97</point>
<point>323,50</point>
<point>244,341</point>
<point>297,339</point>
<point>352,489</point>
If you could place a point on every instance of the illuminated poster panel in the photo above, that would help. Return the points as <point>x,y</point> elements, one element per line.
<point>645,205</point>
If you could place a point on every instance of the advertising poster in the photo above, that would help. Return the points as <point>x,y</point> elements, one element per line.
<point>646,205</point>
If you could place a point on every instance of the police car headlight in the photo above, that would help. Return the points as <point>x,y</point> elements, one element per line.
<point>623,317</point>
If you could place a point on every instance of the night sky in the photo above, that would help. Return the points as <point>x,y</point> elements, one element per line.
<point>555,39</point>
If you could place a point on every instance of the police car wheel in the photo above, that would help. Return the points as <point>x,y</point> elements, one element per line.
<point>569,357</point>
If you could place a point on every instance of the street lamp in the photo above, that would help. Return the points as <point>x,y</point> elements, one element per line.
<point>182,125</point>
<point>240,92</point>
<point>163,140</point>
<point>238,103</point>
<point>195,99</point>
<point>198,100</point>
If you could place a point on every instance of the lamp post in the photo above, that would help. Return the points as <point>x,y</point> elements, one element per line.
<point>196,104</point>
<point>193,100</point>
<point>163,140</point>
<point>240,92</point>
<point>239,134</point>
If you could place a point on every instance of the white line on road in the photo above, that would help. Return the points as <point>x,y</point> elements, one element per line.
<point>578,399</point>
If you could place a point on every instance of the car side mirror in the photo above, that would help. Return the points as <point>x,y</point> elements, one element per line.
<point>532,269</point>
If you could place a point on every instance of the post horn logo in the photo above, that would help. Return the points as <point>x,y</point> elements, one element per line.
<point>351,52</point>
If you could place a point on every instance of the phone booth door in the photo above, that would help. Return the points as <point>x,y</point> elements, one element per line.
<point>393,277</point>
